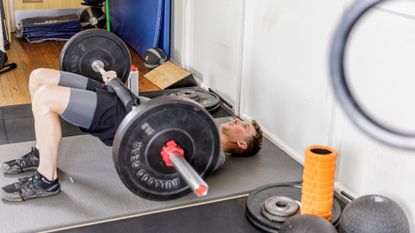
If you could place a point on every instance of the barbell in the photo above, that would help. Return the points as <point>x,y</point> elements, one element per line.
<point>163,148</point>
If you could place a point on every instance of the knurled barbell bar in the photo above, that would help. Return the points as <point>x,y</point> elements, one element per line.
<point>163,148</point>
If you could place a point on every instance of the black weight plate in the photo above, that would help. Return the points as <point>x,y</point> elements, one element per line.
<point>257,197</point>
<point>143,133</point>
<point>92,17</point>
<point>96,44</point>
<point>213,109</point>
<point>208,100</point>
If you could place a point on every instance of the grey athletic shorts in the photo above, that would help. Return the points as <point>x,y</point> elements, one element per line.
<point>82,102</point>
<point>96,110</point>
<point>93,107</point>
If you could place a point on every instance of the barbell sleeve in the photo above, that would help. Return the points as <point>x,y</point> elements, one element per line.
<point>98,66</point>
<point>197,184</point>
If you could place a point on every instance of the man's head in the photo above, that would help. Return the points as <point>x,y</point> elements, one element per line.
<point>241,138</point>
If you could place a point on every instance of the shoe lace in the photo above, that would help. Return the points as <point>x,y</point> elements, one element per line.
<point>28,184</point>
<point>25,159</point>
<point>21,181</point>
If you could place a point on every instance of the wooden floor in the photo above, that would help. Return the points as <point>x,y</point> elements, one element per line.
<point>14,84</point>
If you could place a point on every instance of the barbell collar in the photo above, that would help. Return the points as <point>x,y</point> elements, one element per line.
<point>98,66</point>
<point>173,156</point>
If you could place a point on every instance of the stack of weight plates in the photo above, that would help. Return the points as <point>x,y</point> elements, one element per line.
<point>269,206</point>
<point>209,100</point>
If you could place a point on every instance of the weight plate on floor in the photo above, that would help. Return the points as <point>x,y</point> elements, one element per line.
<point>257,198</point>
<point>279,208</point>
<point>87,46</point>
<point>146,129</point>
<point>208,100</point>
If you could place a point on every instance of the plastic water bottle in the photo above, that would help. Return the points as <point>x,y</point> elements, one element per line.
<point>133,83</point>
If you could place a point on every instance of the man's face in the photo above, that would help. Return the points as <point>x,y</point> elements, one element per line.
<point>237,130</point>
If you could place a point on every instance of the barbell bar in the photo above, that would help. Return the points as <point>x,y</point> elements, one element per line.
<point>172,154</point>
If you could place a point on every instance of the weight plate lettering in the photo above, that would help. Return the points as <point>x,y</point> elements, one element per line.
<point>145,130</point>
<point>87,46</point>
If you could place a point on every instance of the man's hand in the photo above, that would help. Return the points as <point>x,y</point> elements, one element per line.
<point>107,76</point>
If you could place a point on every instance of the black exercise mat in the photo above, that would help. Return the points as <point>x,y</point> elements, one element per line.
<point>220,217</point>
<point>50,21</point>
<point>17,125</point>
<point>38,29</point>
<point>3,138</point>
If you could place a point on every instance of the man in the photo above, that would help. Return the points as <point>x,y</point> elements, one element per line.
<point>96,109</point>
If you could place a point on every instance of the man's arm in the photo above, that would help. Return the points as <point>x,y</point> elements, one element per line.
<point>127,98</point>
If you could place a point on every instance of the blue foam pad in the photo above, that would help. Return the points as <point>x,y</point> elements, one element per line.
<point>143,24</point>
<point>164,42</point>
<point>50,28</point>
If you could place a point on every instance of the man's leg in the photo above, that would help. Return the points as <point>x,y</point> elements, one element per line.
<point>29,162</point>
<point>49,103</point>
<point>77,114</point>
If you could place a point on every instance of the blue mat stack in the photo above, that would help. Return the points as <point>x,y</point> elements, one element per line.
<point>39,29</point>
<point>143,24</point>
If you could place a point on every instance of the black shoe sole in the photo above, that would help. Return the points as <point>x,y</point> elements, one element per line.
<point>12,172</point>
<point>8,197</point>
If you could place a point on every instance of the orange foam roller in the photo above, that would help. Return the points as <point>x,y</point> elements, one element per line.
<point>326,203</point>
<point>327,183</point>
<point>317,192</point>
<point>321,179</point>
<point>319,164</point>
<point>318,181</point>
<point>318,197</point>
<point>321,187</point>
<point>323,173</point>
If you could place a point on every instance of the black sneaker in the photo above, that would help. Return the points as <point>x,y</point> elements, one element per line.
<point>28,162</point>
<point>30,187</point>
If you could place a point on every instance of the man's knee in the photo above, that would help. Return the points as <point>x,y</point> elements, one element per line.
<point>36,76</point>
<point>39,77</point>
<point>48,98</point>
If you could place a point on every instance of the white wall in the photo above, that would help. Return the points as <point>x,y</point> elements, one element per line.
<point>178,27</point>
<point>285,71</point>
<point>211,43</point>
<point>281,52</point>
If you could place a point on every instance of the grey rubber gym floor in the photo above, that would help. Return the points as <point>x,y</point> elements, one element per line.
<point>92,193</point>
